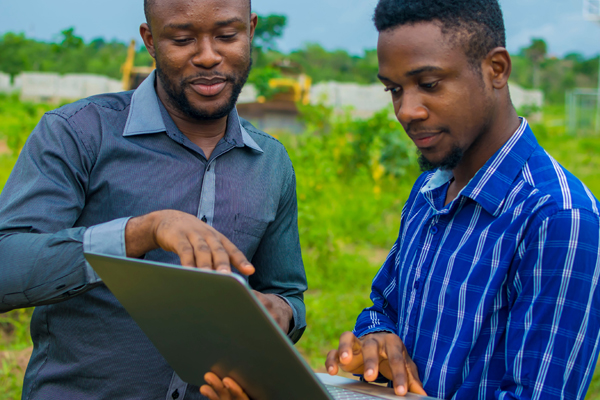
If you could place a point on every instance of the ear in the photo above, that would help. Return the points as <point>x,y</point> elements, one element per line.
<point>148,39</point>
<point>499,65</point>
<point>253,23</point>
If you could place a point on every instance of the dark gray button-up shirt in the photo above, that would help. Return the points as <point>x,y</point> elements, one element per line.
<point>86,169</point>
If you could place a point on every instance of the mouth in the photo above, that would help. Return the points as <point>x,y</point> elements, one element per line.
<point>424,140</point>
<point>208,87</point>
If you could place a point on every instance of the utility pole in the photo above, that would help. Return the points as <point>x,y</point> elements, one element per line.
<point>591,12</point>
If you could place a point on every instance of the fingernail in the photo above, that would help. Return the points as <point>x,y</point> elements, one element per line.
<point>401,389</point>
<point>369,372</point>
<point>330,370</point>
<point>344,355</point>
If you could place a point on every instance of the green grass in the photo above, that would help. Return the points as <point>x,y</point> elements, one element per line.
<point>350,194</point>
<point>15,344</point>
<point>6,165</point>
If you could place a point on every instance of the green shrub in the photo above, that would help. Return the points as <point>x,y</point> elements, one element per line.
<point>353,178</point>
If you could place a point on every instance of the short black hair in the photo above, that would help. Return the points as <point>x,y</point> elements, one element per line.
<point>477,23</point>
<point>148,4</point>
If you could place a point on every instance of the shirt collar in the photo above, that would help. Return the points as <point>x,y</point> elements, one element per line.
<point>145,117</point>
<point>490,185</point>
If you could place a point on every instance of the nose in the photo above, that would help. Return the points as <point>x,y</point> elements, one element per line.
<point>410,108</point>
<point>206,55</point>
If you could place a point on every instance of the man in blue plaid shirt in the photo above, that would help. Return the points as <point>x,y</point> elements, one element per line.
<point>491,290</point>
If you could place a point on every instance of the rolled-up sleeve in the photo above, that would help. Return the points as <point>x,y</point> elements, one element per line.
<point>281,270</point>
<point>41,249</point>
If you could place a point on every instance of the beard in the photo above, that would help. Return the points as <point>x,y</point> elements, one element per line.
<point>449,162</point>
<point>178,98</point>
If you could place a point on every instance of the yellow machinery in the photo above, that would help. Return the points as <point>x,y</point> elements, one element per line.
<point>296,90</point>
<point>132,75</point>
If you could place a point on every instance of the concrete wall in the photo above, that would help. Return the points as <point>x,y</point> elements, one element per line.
<point>365,100</point>
<point>362,100</point>
<point>52,87</point>
<point>5,85</point>
<point>248,94</point>
<point>525,97</point>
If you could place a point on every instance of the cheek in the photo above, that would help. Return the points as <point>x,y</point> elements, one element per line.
<point>238,53</point>
<point>173,57</point>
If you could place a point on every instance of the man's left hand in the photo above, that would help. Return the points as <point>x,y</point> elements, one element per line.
<point>228,389</point>
<point>225,389</point>
<point>279,309</point>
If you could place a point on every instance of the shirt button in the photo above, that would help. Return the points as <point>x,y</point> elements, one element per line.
<point>434,230</point>
<point>204,219</point>
<point>175,394</point>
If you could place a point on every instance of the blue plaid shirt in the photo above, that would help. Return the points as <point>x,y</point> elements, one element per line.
<point>495,295</point>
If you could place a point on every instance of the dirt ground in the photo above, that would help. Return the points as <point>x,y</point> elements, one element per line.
<point>17,358</point>
<point>3,147</point>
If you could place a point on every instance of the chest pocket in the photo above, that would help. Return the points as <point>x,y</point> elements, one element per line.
<point>248,233</point>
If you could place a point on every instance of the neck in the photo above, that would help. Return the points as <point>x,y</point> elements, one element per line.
<point>203,133</point>
<point>489,142</point>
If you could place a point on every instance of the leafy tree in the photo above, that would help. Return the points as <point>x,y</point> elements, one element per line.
<point>69,53</point>
<point>337,65</point>
<point>269,29</point>
<point>536,52</point>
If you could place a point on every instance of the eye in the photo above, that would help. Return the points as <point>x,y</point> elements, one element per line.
<point>393,90</point>
<point>429,85</point>
<point>181,41</point>
<point>227,37</point>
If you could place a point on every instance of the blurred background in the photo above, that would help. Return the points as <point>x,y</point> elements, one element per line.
<point>313,87</point>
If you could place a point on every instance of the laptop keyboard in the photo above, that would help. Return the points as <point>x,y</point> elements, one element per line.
<point>344,394</point>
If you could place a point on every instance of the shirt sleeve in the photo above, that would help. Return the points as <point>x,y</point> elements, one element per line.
<point>554,322</point>
<point>41,247</point>
<point>382,315</point>
<point>281,269</point>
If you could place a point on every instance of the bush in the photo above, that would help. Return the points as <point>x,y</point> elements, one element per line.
<point>18,119</point>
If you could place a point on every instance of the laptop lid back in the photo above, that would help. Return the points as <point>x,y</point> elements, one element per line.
<point>204,321</point>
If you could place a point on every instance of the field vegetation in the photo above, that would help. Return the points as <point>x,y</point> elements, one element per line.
<point>353,178</point>
<point>69,53</point>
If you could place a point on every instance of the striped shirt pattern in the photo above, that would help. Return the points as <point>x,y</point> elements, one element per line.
<point>495,295</point>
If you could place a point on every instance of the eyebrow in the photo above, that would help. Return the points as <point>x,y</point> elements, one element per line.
<point>178,26</point>
<point>429,68</point>
<point>229,21</point>
<point>218,24</point>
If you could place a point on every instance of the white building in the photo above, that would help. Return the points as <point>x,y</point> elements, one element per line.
<point>52,87</point>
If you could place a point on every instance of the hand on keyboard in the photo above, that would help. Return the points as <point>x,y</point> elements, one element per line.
<point>375,353</point>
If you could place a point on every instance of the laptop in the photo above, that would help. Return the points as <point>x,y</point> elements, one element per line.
<point>203,321</point>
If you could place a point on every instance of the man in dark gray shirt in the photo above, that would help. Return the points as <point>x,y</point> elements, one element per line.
<point>169,173</point>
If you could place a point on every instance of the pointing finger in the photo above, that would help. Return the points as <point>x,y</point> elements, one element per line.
<point>237,258</point>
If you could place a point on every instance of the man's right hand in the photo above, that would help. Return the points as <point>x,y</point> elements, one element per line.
<point>374,353</point>
<point>197,244</point>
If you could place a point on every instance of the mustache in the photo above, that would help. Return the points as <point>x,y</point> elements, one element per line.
<point>207,75</point>
<point>414,131</point>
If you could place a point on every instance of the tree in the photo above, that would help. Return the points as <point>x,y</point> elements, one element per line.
<point>536,52</point>
<point>269,29</point>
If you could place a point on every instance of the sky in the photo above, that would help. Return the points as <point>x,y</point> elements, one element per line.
<point>335,24</point>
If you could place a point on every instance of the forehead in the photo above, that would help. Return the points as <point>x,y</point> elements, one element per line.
<point>198,12</point>
<point>410,47</point>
